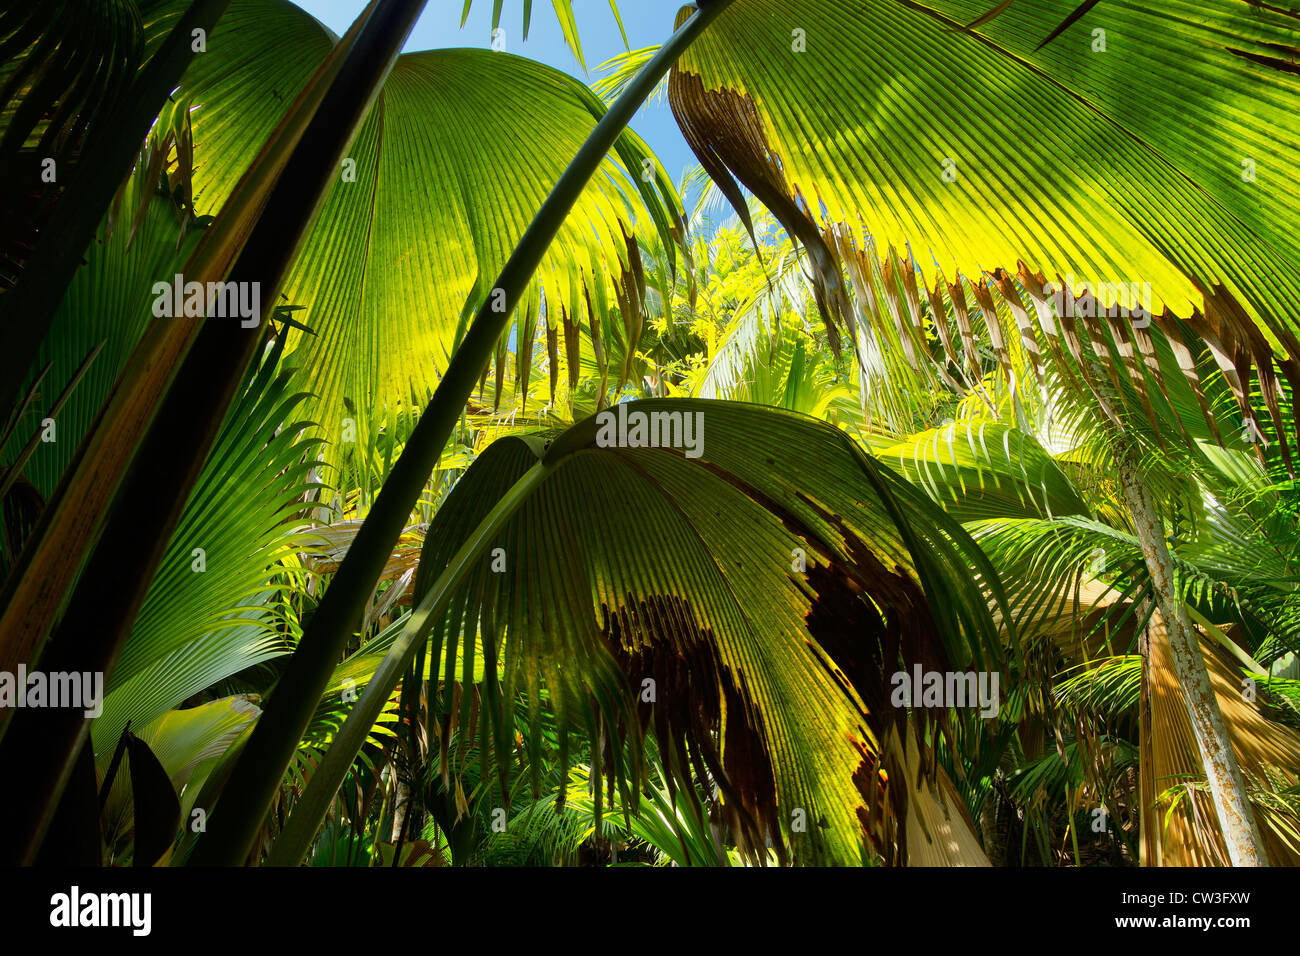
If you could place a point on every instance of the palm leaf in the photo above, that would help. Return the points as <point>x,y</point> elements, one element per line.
<point>714,612</point>
<point>978,152</point>
<point>441,148</point>
<point>986,470</point>
<point>563,13</point>
<point>267,754</point>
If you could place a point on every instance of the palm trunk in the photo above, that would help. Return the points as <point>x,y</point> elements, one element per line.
<point>1227,786</point>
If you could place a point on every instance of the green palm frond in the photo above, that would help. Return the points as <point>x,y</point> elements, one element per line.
<point>1109,688</point>
<point>563,13</point>
<point>932,131</point>
<point>1054,773</point>
<point>675,826</point>
<point>440,147</point>
<point>187,744</point>
<point>108,306</point>
<point>619,70</point>
<point>755,580</point>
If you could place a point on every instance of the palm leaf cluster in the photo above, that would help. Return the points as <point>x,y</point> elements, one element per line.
<point>961,301</point>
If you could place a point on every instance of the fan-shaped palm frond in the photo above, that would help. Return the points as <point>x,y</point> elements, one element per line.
<point>898,159</point>
<point>979,470</point>
<point>441,148</point>
<point>730,626</point>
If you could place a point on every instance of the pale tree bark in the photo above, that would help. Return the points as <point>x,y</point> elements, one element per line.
<point>1227,786</point>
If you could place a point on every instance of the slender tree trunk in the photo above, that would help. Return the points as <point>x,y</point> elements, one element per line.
<point>401,807</point>
<point>1148,818</point>
<point>1227,786</point>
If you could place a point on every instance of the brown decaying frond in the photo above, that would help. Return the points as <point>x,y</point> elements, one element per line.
<point>706,723</point>
<point>735,142</point>
<point>869,634</point>
<point>699,705</point>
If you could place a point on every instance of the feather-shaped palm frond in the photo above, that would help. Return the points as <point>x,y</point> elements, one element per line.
<point>211,610</point>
